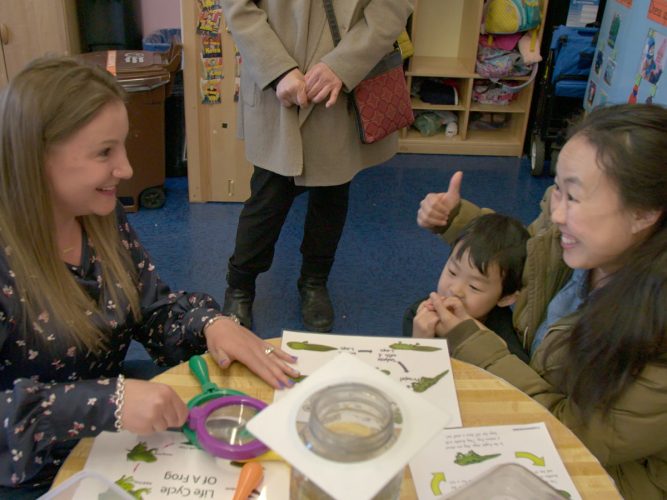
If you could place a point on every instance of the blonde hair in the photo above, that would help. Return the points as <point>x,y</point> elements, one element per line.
<point>45,104</point>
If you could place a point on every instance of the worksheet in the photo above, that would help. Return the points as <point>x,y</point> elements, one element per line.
<point>457,456</point>
<point>422,365</point>
<point>165,465</point>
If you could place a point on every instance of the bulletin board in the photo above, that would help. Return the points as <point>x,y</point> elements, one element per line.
<point>631,55</point>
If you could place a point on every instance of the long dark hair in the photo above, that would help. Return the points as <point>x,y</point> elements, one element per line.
<point>623,325</point>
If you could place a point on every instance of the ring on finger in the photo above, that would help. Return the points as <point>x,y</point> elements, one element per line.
<point>269,349</point>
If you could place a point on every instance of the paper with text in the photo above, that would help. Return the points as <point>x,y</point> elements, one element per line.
<point>457,456</point>
<point>165,465</point>
<point>422,365</point>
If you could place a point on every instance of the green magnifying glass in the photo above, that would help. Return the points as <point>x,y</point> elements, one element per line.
<point>210,391</point>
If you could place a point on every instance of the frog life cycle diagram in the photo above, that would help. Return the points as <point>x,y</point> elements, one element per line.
<point>165,465</point>
<point>421,365</point>
<point>457,456</point>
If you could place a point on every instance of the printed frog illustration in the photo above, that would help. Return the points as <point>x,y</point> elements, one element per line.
<point>127,483</point>
<point>425,382</point>
<point>472,458</point>
<point>140,453</point>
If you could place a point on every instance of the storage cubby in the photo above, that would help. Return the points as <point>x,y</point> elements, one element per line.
<point>445,35</point>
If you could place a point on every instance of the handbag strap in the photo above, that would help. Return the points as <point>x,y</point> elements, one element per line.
<point>516,88</point>
<point>333,23</point>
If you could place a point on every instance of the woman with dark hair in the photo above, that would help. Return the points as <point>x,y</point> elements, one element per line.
<point>593,310</point>
<point>76,285</point>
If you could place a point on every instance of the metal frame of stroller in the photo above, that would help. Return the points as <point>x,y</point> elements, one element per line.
<point>561,92</point>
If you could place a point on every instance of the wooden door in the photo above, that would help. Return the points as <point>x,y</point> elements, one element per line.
<point>32,28</point>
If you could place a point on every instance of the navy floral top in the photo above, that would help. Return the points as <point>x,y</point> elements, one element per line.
<point>49,401</point>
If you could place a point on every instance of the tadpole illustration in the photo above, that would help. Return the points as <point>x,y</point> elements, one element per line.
<point>414,347</point>
<point>423,383</point>
<point>305,346</point>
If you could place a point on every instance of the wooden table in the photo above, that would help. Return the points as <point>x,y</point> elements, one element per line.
<point>484,399</point>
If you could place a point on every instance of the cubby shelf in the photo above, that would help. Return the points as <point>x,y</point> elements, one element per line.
<point>445,37</point>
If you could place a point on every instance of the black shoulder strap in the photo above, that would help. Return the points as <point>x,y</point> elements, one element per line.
<point>331,17</point>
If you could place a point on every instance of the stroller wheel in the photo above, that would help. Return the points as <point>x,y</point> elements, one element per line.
<point>536,155</point>
<point>152,197</point>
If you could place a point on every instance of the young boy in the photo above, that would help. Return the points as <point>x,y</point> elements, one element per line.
<point>484,271</point>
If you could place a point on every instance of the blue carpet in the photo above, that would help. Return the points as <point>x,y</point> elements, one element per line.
<point>384,261</point>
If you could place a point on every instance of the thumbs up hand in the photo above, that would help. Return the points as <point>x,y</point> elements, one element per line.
<point>435,208</point>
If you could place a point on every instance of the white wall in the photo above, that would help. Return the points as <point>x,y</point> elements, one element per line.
<point>157,14</point>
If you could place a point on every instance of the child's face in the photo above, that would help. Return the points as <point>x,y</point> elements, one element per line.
<point>478,293</point>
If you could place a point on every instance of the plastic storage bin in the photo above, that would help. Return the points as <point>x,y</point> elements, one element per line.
<point>87,481</point>
<point>147,77</point>
<point>174,106</point>
<point>507,482</point>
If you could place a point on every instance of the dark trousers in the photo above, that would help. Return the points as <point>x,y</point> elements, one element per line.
<point>263,216</point>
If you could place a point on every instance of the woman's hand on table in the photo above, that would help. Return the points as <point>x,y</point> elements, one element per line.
<point>228,341</point>
<point>151,407</point>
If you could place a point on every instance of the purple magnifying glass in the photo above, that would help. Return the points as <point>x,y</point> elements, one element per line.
<point>220,426</point>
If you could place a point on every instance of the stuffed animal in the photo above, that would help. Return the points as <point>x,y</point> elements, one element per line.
<point>431,122</point>
<point>529,48</point>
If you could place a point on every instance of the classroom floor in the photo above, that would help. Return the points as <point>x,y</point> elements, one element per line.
<point>384,261</point>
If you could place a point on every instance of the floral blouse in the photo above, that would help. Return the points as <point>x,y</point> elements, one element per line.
<point>48,400</point>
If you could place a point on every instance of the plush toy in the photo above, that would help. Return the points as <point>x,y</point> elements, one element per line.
<point>450,121</point>
<point>431,122</point>
<point>529,47</point>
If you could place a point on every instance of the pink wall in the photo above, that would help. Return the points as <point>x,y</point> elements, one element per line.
<point>157,14</point>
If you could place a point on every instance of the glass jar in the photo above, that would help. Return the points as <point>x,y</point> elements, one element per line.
<point>348,422</point>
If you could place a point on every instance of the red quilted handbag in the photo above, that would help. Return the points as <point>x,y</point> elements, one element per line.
<point>381,101</point>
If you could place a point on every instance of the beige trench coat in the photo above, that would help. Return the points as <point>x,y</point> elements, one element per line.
<point>315,145</point>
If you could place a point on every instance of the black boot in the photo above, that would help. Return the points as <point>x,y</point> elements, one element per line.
<point>239,303</point>
<point>316,309</point>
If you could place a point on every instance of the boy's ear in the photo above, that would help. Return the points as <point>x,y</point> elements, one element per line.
<point>508,300</point>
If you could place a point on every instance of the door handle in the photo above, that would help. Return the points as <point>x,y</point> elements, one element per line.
<point>4,34</point>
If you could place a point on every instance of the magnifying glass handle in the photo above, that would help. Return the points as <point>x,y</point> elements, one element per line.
<point>269,456</point>
<point>252,474</point>
<point>200,370</point>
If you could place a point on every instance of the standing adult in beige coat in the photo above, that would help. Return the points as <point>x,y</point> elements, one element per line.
<point>299,133</point>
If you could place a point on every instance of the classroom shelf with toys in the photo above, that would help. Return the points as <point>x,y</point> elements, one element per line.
<point>445,36</point>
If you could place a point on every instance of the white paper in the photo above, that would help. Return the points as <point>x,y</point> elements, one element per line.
<point>437,471</point>
<point>276,427</point>
<point>399,358</point>
<point>175,469</point>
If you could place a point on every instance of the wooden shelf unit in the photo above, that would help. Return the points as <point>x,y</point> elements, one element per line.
<point>217,166</point>
<point>445,35</point>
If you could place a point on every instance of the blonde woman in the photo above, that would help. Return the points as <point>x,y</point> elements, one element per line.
<point>77,285</point>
